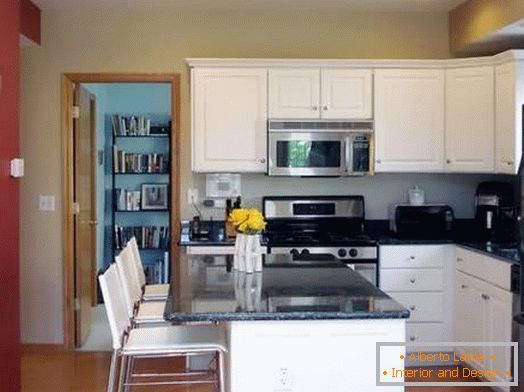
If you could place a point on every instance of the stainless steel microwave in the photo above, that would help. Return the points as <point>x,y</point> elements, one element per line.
<point>320,148</point>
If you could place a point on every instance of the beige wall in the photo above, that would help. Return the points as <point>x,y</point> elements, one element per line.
<point>142,42</point>
<point>472,22</point>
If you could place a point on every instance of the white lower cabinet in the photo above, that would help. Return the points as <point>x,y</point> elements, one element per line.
<point>421,277</point>
<point>484,310</point>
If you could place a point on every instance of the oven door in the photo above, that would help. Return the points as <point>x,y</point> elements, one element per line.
<point>307,153</point>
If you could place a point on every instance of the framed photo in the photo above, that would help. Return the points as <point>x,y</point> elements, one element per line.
<point>155,196</point>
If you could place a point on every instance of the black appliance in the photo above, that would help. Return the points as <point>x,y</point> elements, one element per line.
<point>433,221</point>
<point>519,317</point>
<point>329,227</point>
<point>495,211</point>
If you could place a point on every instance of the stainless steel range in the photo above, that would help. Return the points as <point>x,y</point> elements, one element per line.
<point>328,226</point>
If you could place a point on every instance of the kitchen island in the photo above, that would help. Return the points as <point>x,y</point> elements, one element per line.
<point>295,327</point>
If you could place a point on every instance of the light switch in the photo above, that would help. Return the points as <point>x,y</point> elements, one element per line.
<point>46,203</point>
<point>17,168</point>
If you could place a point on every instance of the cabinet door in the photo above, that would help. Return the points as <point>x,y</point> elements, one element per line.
<point>229,120</point>
<point>409,120</point>
<point>468,310</point>
<point>346,94</point>
<point>470,120</point>
<point>498,324</point>
<point>508,116</point>
<point>294,93</point>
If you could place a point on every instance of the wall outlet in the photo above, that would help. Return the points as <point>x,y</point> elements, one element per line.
<point>46,203</point>
<point>192,196</point>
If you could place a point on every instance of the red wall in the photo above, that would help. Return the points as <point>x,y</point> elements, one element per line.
<point>30,20</point>
<point>9,215</point>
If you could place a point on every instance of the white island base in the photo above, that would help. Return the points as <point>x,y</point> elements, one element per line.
<point>309,355</point>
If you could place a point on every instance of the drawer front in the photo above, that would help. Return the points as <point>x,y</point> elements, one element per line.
<point>489,269</point>
<point>422,333</point>
<point>415,256</point>
<point>424,307</point>
<point>411,279</point>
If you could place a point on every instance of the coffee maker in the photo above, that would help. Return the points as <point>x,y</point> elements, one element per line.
<point>495,211</point>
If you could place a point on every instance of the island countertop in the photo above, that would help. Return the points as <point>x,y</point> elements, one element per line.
<point>206,288</point>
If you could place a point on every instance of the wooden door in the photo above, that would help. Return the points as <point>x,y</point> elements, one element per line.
<point>230,120</point>
<point>294,93</point>
<point>347,94</point>
<point>470,120</point>
<point>409,120</point>
<point>85,211</point>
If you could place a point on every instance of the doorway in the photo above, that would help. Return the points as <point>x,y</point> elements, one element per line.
<point>120,138</point>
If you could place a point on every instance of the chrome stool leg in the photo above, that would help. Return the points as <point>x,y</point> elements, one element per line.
<point>112,371</point>
<point>220,371</point>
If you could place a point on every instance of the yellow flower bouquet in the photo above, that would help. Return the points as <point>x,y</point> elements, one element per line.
<point>247,220</point>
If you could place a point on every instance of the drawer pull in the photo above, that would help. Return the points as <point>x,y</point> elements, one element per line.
<point>459,260</point>
<point>412,308</point>
<point>412,280</point>
<point>463,286</point>
<point>485,297</point>
<point>412,257</point>
<point>412,338</point>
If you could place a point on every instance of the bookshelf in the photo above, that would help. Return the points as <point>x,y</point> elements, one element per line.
<point>140,189</point>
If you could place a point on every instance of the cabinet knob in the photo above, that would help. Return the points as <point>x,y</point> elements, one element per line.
<point>262,160</point>
<point>412,307</point>
<point>412,257</point>
<point>315,108</point>
<point>379,161</point>
<point>448,161</point>
<point>484,297</point>
<point>325,108</point>
<point>463,286</point>
<point>510,163</point>
<point>459,260</point>
<point>411,338</point>
<point>412,280</point>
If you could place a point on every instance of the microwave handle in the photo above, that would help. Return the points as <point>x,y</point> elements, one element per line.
<point>348,154</point>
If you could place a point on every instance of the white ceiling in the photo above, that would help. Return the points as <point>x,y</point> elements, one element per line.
<point>239,5</point>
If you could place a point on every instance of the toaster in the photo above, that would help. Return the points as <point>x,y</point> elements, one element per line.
<point>430,221</point>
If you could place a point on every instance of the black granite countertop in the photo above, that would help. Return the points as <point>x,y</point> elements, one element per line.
<point>464,234</point>
<point>205,288</point>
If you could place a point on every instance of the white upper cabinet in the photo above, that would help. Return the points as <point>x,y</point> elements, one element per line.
<point>409,120</point>
<point>229,119</point>
<point>346,93</point>
<point>294,93</point>
<point>470,119</point>
<point>508,117</point>
<point>320,93</point>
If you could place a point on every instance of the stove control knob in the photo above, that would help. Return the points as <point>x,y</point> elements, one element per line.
<point>304,252</point>
<point>294,252</point>
<point>353,252</point>
<point>342,253</point>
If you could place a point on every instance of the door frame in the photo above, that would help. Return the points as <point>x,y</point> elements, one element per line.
<point>67,94</point>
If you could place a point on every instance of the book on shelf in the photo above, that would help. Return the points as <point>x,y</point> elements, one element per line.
<point>132,162</point>
<point>147,237</point>
<point>130,125</point>
<point>127,200</point>
<point>158,272</point>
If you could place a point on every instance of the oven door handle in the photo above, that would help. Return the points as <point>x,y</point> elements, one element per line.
<point>348,155</point>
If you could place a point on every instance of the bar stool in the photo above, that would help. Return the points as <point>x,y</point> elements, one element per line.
<point>139,312</point>
<point>154,343</point>
<point>150,292</point>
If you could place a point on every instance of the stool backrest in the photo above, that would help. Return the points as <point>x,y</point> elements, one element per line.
<point>128,279</point>
<point>133,245</point>
<point>115,304</point>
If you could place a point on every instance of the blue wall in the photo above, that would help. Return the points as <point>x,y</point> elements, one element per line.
<point>150,99</point>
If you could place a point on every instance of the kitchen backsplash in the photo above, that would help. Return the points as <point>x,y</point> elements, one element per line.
<point>380,191</point>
